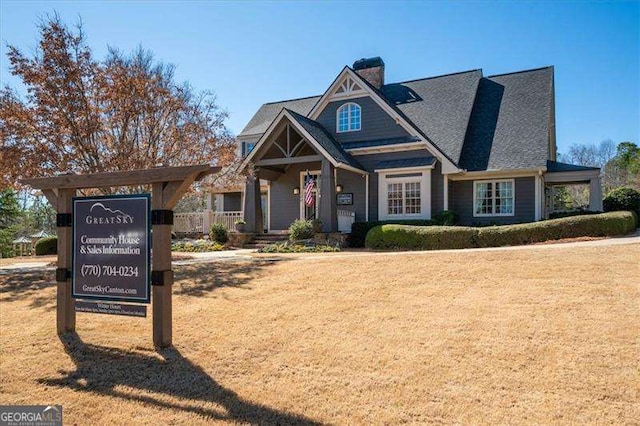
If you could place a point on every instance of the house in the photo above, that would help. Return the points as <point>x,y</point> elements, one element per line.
<point>481,146</point>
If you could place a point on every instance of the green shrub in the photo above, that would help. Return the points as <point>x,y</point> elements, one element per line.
<point>46,246</point>
<point>359,230</point>
<point>421,237</point>
<point>219,233</point>
<point>445,218</point>
<point>301,230</point>
<point>196,246</point>
<point>449,237</point>
<point>624,198</point>
<point>288,247</point>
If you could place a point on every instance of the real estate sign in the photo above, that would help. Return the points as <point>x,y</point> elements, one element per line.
<point>111,248</point>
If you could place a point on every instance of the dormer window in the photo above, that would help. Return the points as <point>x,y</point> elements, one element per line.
<point>348,118</point>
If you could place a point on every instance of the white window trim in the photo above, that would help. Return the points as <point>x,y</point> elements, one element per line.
<point>349,129</point>
<point>493,203</point>
<point>425,192</point>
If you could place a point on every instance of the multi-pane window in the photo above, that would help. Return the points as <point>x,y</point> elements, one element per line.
<point>403,198</point>
<point>349,117</point>
<point>394,198</point>
<point>412,197</point>
<point>493,198</point>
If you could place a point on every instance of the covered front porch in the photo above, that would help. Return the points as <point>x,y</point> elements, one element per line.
<point>307,174</point>
<point>580,184</point>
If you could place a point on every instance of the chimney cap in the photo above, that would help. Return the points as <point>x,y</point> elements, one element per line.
<point>365,63</point>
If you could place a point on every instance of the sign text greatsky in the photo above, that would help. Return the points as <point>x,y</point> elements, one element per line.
<point>111,248</point>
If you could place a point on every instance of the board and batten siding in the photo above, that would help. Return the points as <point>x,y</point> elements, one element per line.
<point>437,189</point>
<point>376,123</point>
<point>524,209</point>
<point>232,201</point>
<point>285,205</point>
<point>369,163</point>
<point>355,184</point>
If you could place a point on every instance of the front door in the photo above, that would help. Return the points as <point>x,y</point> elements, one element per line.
<point>309,205</point>
<point>265,214</point>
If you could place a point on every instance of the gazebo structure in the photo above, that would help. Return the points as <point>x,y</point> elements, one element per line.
<point>22,245</point>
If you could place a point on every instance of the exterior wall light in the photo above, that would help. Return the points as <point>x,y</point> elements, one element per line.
<point>296,191</point>
<point>338,188</point>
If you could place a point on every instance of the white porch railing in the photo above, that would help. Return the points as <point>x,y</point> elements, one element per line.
<point>345,220</point>
<point>200,222</point>
<point>228,219</point>
<point>188,222</point>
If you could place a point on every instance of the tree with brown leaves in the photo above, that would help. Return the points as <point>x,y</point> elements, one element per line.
<point>81,115</point>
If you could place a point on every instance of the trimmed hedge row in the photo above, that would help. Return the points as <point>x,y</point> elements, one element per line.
<point>45,246</point>
<point>456,237</point>
<point>359,230</point>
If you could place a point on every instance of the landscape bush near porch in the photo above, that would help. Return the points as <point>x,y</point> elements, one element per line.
<point>456,237</point>
<point>46,246</point>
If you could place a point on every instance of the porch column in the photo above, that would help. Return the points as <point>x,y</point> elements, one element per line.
<point>595,195</point>
<point>328,211</point>
<point>252,205</point>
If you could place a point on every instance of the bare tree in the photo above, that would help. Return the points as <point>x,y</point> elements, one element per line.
<point>82,115</point>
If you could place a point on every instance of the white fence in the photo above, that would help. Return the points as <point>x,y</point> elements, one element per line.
<point>200,222</point>
<point>345,220</point>
<point>228,219</point>
<point>188,222</point>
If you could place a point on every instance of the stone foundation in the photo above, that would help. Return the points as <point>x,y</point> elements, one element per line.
<point>331,239</point>
<point>237,239</point>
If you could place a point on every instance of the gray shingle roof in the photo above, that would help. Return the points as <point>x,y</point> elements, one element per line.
<point>439,107</point>
<point>407,162</point>
<point>509,126</point>
<point>479,123</point>
<point>325,140</point>
<point>268,112</point>
<point>556,166</point>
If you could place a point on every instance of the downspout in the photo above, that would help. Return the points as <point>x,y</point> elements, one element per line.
<point>366,196</point>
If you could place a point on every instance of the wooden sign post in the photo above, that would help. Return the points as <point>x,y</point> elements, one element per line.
<point>168,185</point>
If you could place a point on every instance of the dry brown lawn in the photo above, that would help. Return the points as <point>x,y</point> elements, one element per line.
<point>528,336</point>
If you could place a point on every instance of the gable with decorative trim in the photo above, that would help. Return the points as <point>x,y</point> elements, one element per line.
<point>375,123</point>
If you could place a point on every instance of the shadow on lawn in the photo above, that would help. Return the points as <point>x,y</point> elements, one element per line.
<point>202,278</point>
<point>190,280</point>
<point>102,370</point>
<point>21,285</point>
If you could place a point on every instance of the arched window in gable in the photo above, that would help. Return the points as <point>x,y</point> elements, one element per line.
<point>349,118</point>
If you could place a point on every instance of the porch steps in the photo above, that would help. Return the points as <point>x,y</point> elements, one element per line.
<point>262,240</point>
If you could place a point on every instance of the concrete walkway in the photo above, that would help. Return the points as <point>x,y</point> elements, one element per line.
<point>213,256</point>
<point>250,254</point>
<point>196,258</point>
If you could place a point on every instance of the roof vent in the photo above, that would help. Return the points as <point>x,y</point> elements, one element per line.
<point>371,69</point>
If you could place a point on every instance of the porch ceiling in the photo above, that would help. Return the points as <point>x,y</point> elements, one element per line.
<point>571,177</point>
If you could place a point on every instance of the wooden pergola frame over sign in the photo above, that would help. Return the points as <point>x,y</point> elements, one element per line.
<point>168,185</point>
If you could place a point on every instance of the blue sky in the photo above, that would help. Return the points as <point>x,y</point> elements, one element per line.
<point>251,53</point>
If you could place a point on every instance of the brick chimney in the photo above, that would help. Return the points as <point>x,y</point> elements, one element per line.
<point>371,69</point>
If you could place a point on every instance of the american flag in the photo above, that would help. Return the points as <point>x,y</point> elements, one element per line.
<point>308,191</point>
